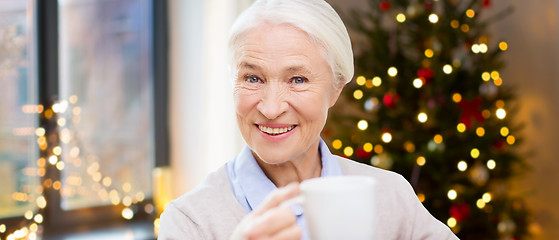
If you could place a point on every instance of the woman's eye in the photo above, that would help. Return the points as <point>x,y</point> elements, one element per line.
<point>299,80</point>
<point>252,79</point>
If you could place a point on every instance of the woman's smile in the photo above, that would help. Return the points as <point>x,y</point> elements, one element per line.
<point>275,130</point>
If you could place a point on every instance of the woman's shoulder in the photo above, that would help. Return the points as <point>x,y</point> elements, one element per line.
<point>209,211</point>
<point>214,191</point>
<point>350,167</point>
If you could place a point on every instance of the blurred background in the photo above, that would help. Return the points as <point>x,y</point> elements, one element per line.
<point>109,109</point>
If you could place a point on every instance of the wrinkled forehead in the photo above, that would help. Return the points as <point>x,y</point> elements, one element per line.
<point>274,40</point>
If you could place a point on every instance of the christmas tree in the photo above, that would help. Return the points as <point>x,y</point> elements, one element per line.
<point>429,103</point>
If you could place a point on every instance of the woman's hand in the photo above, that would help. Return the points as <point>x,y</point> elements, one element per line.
<point>271,220</point>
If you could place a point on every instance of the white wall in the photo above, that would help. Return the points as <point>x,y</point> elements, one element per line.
<point>203,128</point>
<point>532,32</point>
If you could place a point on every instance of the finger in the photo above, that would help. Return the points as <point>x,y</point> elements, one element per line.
<point>273,221</point>
<point>291,233</point>
<point>277,197</point>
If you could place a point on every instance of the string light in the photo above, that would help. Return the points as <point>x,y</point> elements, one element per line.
<point>422,117</point>
<point>386,137</point>
<point>337,144</point>
<point>433,18</point>
<point>486,114</point>
<point>504,131</point>
<point>40,132</point>
<point>486,76</point>
<point>421,197</point>
<point>480,203</point>
<point>495,75</point>
<point>498,82</point>
<point>475,48</point>
<point>474,153</point>
<point>421,161</point>
<point>377,81</point>
<point>470,13</point>
<point>452,194</point>
<point>378,149</point>
<point>28,215</point>
<point>127,213</point>
<point>447,69</point>
<point>360,80</point>
<point>348,151</point>
<point>503,46</point>
<point>53,160</point>
<point>438,139</point>
<point>362,125</point>
<point>483,48</point>
<point>461,127</point>
<point>455,24</point>
<point>462,166</point>
<point>456,97</point>
<point>480,131</point>
<point>368,147</point>
<point>358,94</point>
<point>501,113</point>
<point>465,28</point>
<point>429,53</point>
<point>401,17</point>
<point>409,146</point>
<point>451,222</point>
<point>417,83</point>
<point>38,218</point>
<point>511,139</point>
<point>57,150</point>
<point>500,103</point>
<point>392,71</point>
<point>491,164</point>
<point>486,197</point>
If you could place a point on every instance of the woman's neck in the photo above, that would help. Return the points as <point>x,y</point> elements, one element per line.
<point>307,165</point>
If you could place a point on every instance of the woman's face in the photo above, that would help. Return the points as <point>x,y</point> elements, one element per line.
<point>283,90</point>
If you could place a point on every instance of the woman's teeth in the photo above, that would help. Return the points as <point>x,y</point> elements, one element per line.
<point>275,131</point>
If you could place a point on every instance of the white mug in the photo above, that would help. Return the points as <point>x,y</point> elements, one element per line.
<point>340,207</point>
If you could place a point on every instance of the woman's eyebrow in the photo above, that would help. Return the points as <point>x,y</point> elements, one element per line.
<point>249,66</point>
<point>299,69</point>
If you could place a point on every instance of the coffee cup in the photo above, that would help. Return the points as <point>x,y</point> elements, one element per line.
<point>340,207</point>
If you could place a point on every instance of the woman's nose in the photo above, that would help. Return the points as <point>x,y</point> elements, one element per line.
<point>272,103</point>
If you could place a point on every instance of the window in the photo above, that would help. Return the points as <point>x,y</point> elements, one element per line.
<point>106,95</point>
<point>82,119</point>
<point>18,109</point>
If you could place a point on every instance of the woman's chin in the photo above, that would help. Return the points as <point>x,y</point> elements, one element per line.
<point>273,157</point>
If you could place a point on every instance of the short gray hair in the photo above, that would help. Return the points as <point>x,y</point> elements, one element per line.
<point>315,17</point>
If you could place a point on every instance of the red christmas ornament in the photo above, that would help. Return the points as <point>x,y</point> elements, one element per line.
<point>361,153</point>
<point>460,211</point>
<point>470,112</point>
<point>428,5</point>
<point>486,3</point>
<point>390,99</point>
<point>426,75</point>
<point>384,5</point>
<point>500,144</point>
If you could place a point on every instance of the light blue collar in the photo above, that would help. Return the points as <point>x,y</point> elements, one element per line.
<point>250,184</point>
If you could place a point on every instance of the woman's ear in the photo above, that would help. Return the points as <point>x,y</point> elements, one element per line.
<point>337,90</point>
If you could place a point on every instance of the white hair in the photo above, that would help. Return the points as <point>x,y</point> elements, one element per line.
<point>315,17</point>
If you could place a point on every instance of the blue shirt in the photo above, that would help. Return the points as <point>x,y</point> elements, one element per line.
<point>251,186</point>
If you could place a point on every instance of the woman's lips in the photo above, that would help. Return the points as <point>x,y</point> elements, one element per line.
<point>275,130</point>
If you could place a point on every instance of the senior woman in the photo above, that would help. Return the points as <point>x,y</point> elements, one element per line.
<point>291,59</point>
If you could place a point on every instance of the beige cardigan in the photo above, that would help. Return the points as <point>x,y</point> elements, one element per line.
<point>211,211</point>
